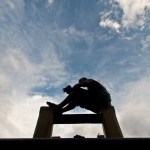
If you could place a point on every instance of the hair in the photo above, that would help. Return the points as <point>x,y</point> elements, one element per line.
<point>82,79</point>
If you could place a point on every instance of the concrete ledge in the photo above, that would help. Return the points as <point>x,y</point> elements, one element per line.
<point>68,142</point>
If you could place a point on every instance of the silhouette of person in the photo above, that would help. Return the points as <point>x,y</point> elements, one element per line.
<point>88,94</point>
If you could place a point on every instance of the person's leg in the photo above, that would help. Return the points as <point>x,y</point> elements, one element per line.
<point>52,105</point>
<point>73,97</point>
<point>71,101</point>
<point>68,107</point>
<point>67,100</point>
<point>67,104</point>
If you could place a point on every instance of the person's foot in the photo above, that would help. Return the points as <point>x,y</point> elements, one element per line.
<point>52,105</point>
<point>55,107</point>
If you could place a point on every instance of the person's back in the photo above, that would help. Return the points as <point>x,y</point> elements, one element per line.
<point>99,90</point>
<point>95,97</point>
<point>95,87</point>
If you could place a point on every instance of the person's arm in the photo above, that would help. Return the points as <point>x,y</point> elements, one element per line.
<point>81,84</point>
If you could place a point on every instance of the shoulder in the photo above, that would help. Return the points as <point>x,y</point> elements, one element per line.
<point>91,80</point>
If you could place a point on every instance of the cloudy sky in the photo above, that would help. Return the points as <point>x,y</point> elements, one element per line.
<point>47,44</point>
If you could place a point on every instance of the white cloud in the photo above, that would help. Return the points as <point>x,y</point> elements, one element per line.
<point>73,32</point>
<point>134,14</point>
<point>20,121</point>
<point>110,24</point>
<point>132,9</point>
<point>145,42</point>
<point>50,1</point>
<point>18,76</point>
<point>11,8</point>
<point>134,114</point>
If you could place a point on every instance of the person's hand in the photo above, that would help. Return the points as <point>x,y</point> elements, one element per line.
<point>67,89</point>
<point>76,86</point>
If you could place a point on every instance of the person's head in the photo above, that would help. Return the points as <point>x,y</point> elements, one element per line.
<point>82,79</point>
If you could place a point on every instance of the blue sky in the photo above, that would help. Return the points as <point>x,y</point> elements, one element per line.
<point>48,44</point>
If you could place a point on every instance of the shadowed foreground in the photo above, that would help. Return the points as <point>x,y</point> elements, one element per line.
<point>59,143</point>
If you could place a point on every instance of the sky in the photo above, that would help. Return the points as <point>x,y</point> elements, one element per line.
<point>47,44</point>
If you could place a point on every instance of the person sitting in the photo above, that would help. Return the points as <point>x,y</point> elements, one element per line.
<point>87,93</point>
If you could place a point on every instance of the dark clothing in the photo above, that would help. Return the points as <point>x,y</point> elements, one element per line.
<point>94,98</point>
<point>87,100</point>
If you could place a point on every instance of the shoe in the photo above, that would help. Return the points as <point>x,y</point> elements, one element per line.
<point>52,105</point>
<point>57,110</point>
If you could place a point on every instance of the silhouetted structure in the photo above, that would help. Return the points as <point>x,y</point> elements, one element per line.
<point>106,117</point>
<point>95,98</point>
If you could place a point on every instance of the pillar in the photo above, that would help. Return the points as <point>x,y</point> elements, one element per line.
<point>110,123</point>
<point>44,124</point>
